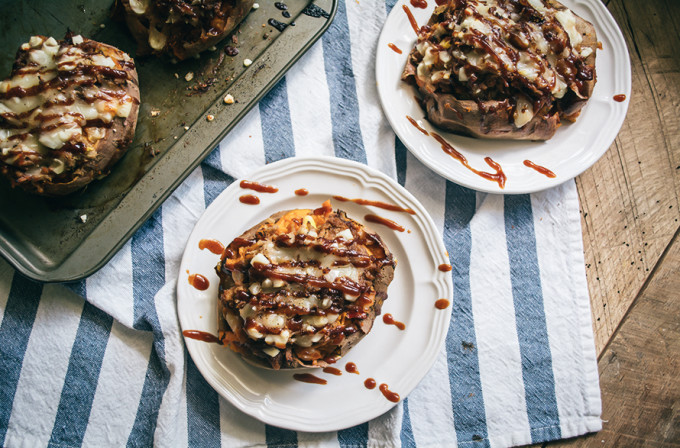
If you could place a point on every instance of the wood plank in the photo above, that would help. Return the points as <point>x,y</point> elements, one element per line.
<point>640,369</point>
<point>630,198</point>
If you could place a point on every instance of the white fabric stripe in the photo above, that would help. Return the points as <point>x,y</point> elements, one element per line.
<point>495,326</point>
<point>245,145</point>
<point>385,430</point>
<point>116,301</point>
<point>6,275</point>
<point>47,358</point>
<point>431,411</point>
<point>239,429</point>
<point>365,23</point>
<point>561,306</point>
<point>311,121</point>
<point>180,213</point>
<point>318,440</point>
<point>119,387</point>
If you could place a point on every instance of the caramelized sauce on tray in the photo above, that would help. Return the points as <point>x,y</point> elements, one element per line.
<point>369,383</point>
<point>384,221</point>
<point>201,336</point>
<point>350,367</point>
<point>411,19</point>
<point>389,320</point>
<point>442,304</point>
<point>445,267</point>
<point>379,204</point>
<point>620,98</point>
<point>394,48</point>
<point>387,393</point>
<point>309,378</point>
<point>213,246</point>
<point>499,176</point>
<point>541,169</point>
<point>332,370</point>
<point>301,192</point>
<point>249,199</point>
<point>417,126</point>
<point>199,282</point>
<point>260,188</point>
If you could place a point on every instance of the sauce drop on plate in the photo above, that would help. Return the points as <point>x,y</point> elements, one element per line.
<point>389,320</point>
<point>540,169</point>
<point>213,246</point>
<point>301,192</point>
<point>384,221</point>
<point>445,267</point>
<point>309,378</point>
<point>442,304</point>
<point>260,188</point>
<point>332,370</point>
<point>199,282</point>
<point>249,199</point>
<point>370,383</point>
<point>387,393</point>
<point>201,336</point>
<point>620,98</point>
<point>394,48</point>
<point>351,368</point>
<point>419,4</point>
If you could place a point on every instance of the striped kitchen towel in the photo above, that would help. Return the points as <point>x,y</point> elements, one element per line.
<point>518,365</point>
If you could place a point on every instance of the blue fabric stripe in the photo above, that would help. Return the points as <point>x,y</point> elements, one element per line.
<point>400,154</point>
<point>148,276</point>
<point>82,377</point>
<point>214,179</point>
<point>203,409</point>
<point>277,129</point>
<point>532,331</point>
<point>17,323</point>
<point>389,4</point>
<point>77,287</point>
<point>280,437</point>
<point>466,389</point>
<point>406,435</point>
<point>337,58</point>
<point>356,436</point>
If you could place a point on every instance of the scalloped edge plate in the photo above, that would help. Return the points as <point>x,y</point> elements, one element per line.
<point>574,148</point>
<point>399,358</point>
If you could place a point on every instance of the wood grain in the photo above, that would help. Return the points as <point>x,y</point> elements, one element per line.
<point>630,198</point>
<point>640,369</point>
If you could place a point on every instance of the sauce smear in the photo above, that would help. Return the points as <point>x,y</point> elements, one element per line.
<point>384,221</point>
<point>332,370</point>
<point>391,396</point>
<point>441,304</point>
<point>541,169</point>
<point>309,378</point>
<point>249,199</point>
<point>351,368</point>
<point>499,176</point>
<point>620,98</point>
<point>260,188</point>
<point>389,320</point>
<point>199,282</point>
<point>301,192</point>
<point>415,123</point>
<point>385,205</point>
<point>370,383</point>
<point>201,336</point>
<point>411,19</point>
<point>444,267</point>
<point>419,4</point>
<point>394,48</point>
<point>213,246</point>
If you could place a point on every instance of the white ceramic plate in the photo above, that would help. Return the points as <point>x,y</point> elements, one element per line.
<point>573,149</point>
<point>398,358</point>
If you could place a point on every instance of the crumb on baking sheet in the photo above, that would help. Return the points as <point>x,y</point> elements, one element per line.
<point>229,99</point>
<point>189,76</point>
<point>210,117</point>
<point>247,62</point>
<point>155,112</point>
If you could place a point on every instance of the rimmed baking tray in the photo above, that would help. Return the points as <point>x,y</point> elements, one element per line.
<point>48,239</point>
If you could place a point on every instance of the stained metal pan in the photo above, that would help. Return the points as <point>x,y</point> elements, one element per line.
<point>46,239</point>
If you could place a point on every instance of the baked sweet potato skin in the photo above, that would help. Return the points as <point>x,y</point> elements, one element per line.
<point>337,340</point>
<point>477,116</point>
<point>83,159</point>
<point>182,29</point>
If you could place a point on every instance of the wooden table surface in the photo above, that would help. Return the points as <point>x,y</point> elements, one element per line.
<point>629,211</point>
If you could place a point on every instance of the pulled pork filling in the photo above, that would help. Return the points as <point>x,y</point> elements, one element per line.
<point>527,55</point>
<point>301,288</point>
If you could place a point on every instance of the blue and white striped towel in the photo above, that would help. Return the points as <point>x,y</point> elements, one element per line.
<point>519,362</point>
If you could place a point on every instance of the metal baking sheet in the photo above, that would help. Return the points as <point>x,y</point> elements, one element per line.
<point>45,238</point>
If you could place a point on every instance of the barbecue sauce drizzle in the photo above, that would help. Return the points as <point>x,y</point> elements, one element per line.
<point>389,320</point>
<point>309,378</point>
<point>199,282</point>
<point>411,19</point>
<point>301,192</point>
<point>249,199</point>
<point>260,188</point>
<point>384,221</point>
<point>213,246</point>
<point>379,204</point>
<point>394,48</point>
<point>540,169</point>
<point>201,336</point>
<point>417,126</point>
<point>350,367</point>
<point>387,393</point>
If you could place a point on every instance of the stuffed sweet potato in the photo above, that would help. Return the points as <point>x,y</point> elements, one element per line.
<point>301,288</point>
<point>182,28</point>
<point>503,69</point>
<point>67,113</point>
